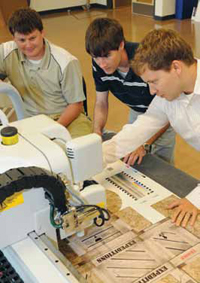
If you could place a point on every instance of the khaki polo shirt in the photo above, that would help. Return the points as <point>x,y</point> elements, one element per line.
<point>47,87</point>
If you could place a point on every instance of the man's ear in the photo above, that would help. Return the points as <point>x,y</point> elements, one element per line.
<point>177,66</point>
<point>43,33</point>
<point>121,46</point>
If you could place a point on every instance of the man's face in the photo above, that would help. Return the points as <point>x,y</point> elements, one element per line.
<point>31,45</point>
<point>163,83</point>
<point>111,62</point>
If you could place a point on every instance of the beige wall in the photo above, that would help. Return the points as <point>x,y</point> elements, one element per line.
<point>2,22</point>
<point>8,6</point>
<point>165,7</point>
<point>45,5</point>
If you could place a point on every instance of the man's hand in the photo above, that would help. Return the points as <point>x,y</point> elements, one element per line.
<point>184,212</point>
<point>140,152</point>
<point>134,156</point>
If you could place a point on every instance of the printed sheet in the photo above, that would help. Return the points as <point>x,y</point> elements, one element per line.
<point>133,246</point>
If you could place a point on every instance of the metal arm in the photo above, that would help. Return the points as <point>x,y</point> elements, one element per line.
<point>15,97</point>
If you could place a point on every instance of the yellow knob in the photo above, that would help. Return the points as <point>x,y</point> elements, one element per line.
<point>9,135</point>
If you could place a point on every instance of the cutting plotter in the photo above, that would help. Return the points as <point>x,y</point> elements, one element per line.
<point>45,186</point>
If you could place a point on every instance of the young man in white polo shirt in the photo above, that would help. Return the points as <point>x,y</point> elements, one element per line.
<point>48,77</point>
<point>166,62</point>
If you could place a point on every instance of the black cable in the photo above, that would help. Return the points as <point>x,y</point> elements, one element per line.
<point>103,213</point>
<point>32,177</point>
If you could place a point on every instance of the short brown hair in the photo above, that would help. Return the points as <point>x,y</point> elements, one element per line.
<point>159,48</point>
<point>25,21</point>
<point>102,36</point>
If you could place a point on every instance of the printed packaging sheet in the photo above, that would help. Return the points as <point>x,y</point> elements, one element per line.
<point>133,247</point>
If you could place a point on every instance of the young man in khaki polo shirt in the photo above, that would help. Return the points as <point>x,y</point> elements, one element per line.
<point>48,77</point>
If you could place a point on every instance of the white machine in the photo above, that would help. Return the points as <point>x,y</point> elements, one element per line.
<point>42,189</point>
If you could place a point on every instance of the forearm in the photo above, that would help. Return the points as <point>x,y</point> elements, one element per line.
<point>71,112</point>
<point>131,137</point>
<point>100,112</point>
<point>140,152</point>
<point>158,134</point>
<point>99,119</point>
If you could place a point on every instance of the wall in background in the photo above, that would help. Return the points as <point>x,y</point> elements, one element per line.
<point>165,8</point>
<point>8,6</point>
<point>2,22</point>
<point>46,5</point>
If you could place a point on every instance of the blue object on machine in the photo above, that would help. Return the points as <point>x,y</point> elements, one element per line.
<point>184,8</point>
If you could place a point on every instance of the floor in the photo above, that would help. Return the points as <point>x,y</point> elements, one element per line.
<point>67,29</point>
